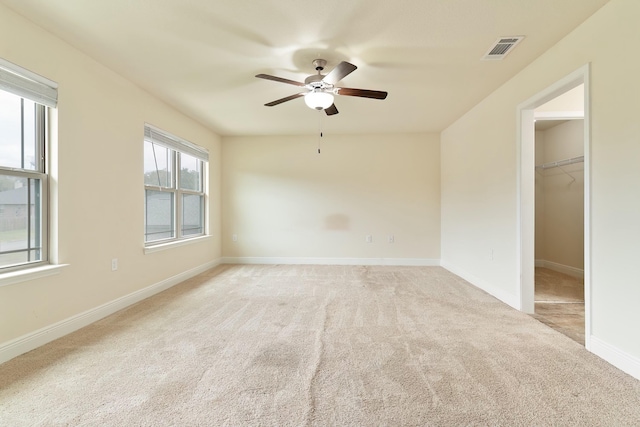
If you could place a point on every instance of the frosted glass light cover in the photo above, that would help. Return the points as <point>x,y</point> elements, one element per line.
<point>318,100</point>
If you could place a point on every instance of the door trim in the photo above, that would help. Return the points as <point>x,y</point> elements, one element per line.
<point>525,148</point>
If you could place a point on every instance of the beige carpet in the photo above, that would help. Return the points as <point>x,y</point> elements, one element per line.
<point>317,345</point>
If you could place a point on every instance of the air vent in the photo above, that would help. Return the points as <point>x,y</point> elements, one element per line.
<point>501,48</point>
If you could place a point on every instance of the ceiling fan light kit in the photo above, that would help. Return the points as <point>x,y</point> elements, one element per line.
<point>321,88</point>
<point>318,100</point>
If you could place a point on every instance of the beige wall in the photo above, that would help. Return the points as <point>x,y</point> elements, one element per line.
<point>562,213</point>
<point>479,174</point>
<point>282,199</point>
<point>98,185</point>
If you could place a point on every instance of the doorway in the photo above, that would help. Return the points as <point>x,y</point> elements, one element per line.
<point>559,217</point>
<point>528,113</point>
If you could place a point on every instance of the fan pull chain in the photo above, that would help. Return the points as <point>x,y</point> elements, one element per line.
<point>320,126</point>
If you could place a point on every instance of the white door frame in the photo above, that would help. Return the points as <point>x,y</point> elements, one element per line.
<point>526,191</point>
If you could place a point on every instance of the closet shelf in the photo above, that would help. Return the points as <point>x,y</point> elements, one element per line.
<point>560,163</point>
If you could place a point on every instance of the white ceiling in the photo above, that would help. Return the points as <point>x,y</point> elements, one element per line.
<point>201,56</point>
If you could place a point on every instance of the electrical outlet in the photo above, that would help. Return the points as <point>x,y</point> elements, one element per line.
<point>391,238</point>
<point>234,237</point>
<point>114,264</point>
<point>369,238</point>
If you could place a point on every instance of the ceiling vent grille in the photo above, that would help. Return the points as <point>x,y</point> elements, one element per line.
<point>501,48</point>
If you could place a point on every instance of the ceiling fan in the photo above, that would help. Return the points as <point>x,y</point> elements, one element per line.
<point>321,88</point>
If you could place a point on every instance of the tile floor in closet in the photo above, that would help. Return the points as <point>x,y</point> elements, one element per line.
<point>559,302</point>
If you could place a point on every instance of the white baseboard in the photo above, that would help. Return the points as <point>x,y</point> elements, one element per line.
<point>33,340</point>
<point>618,358</point>
<point>423,262</point>
<point>570,271</point>
<point>509,299</point>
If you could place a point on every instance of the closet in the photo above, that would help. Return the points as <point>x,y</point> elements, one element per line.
<point>559,226</point>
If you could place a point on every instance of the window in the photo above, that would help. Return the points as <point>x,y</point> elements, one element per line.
<point>175,187</point>
<point>24,101</point>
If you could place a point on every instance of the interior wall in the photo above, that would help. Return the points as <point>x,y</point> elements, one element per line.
<point>283,199</point>
<point>97,183</point>
<point>563,196</point>
<point>480,177</point>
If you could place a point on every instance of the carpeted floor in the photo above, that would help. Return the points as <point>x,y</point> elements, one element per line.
<point>317,345</point>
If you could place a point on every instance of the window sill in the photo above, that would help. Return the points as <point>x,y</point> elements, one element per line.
<point>174,244</point>
<point>25,275</point>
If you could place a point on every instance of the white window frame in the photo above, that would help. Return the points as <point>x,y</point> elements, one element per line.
<point>177,145</point>
<point>44,92</point>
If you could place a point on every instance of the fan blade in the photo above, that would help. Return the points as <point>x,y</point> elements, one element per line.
<point>341,71</point>
<point>281,100</point>
<point>279,79</point>
<point>375,94</point>
<point>331,110</point>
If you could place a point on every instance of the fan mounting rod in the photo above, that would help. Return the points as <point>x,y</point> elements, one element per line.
<point>314,81</point>
<point>319,64</point>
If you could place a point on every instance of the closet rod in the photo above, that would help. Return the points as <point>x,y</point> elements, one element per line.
<point>565,162</point>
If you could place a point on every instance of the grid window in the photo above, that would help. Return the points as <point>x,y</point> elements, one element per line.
<point>174,178</point>
<point>23,175</point>
<point>23,182</point>
<point>25,99</point>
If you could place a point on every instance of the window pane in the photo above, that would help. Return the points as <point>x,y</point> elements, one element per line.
<point>192,218</point>
<point>35,220</point>
<point>190,173</point>
<point>15,258</point>
<point>158,167</point>
<point>17,142</point>
<point>158,215</point>
<point>20,220</point>
<point>29,154</point>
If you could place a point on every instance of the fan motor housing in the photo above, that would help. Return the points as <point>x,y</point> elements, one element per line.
<point>316,78</point>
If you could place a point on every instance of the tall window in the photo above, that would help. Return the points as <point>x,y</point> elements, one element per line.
<point>24,98</point>
<point>175,187</point>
